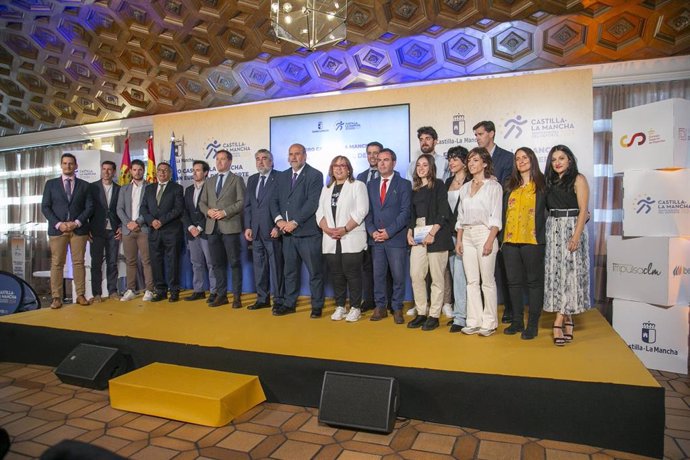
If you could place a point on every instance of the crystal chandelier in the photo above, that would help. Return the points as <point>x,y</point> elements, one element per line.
<point>309,23</point>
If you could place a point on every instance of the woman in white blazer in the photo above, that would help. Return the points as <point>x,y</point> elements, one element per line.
<point>343,205</point>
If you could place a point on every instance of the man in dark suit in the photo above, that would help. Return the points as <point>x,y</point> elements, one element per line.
<point>293,209</point>
<point>389,215</point>
<point>221,202</point>
<point>194,222</point>
<point>260,230</point>
<point>503,160</point>
<point>68,206</point>
<point>366,176</point>
<point>105,232</point>
<point>162,209</point>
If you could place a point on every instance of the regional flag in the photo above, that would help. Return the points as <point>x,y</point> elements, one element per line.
<point>126,165</point>
<point>151,163</point>
<point>173,162</point>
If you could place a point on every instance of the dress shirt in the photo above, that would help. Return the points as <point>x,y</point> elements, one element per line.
<point>136,199</point>
<point>73,182</point>
<point>292,174</point>
<point>484,208</point>
<point>195,200</point>
<point>108,196</point>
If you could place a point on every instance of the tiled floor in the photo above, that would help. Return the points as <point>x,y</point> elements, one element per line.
<point>38,411</point>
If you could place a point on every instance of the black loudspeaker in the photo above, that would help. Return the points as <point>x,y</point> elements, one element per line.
<point>91,366</point>
<point>365,402</point>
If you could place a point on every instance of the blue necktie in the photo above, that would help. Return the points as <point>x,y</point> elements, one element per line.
<point>68,189</point>
<point>219,184</point>
<point>260,191</point>
<point>294,180</point>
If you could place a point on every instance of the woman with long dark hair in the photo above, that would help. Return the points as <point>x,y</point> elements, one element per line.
<point>458,284</point>
<point>523,241</point>
<point>429,236</point>
<point>479,221</point>
<point>343,205</point>
<point>566,283</point>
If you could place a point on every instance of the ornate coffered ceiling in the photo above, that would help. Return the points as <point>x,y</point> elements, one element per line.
<point>70,62</point>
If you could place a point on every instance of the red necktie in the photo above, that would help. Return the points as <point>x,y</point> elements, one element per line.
<point>383,191</point>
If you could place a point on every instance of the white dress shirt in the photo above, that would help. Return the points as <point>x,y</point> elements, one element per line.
<point>484,208</point>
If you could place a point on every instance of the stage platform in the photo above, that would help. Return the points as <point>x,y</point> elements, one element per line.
<point>593,391</point>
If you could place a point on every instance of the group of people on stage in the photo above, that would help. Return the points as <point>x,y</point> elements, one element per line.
<point>458,218</point>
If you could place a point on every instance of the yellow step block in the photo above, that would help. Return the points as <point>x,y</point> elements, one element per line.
<point>188,394</point>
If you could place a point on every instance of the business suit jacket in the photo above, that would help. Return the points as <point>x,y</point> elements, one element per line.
<point>503,164</point>
<point>57,208</point>
<point>168,211</point>
<point>298,203</point>
<point>257,210</point>
<point>101,211</point>
<point>364,175</point>
<point>124,208</point>
<point>394,214</point>
<point>231,200</point>
<point>353,202</point>
<point>192,215</point>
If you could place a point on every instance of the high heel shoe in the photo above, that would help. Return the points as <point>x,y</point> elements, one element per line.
<point>568,336</point>
<point>558,341</point>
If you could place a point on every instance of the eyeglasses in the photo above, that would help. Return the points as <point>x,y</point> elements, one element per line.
<point>340,166</point>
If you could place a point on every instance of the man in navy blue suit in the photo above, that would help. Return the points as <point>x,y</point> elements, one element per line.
<point>105,232</point>
<point>67,205</point>
<point>162,209</point>
<point>194,222</point>
<point>484,132</point>
<point>389,215</point>
<point>293,210</point>
<point>261,231</point>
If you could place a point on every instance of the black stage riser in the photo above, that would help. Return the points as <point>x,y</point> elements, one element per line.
<point>621,417</point>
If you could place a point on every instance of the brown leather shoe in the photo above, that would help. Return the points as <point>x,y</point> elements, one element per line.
<point>220,300</point>
<point>81,300</point>
<point>379,314</point>
<point>398,317</point>
<point>95,299</point>
<point>56,303</point>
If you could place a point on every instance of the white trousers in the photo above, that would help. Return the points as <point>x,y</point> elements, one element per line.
<point>479,271</point>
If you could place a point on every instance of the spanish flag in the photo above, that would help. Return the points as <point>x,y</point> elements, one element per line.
<point>151,164</point>
<point>126,165</point>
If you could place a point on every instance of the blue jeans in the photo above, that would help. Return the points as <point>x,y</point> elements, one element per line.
<point>459,289</point>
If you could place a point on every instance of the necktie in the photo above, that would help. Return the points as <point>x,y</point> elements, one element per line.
<point>294,179</point>
<point>161,189</point>
<point>219,184</point>
<point>383,190</point>
<point>68,189</point>
<point>260,190</point>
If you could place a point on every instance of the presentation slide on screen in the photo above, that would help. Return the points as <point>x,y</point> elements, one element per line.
<point>342,132</point>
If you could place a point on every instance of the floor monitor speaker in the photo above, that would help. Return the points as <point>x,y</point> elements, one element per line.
<point>91,366</point>
<point>364,402</point>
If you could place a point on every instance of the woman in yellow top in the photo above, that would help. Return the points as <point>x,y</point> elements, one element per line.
<point>523,238</point>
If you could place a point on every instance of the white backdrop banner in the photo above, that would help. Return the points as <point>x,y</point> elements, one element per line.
<point>656,203</point>
<point>655,270</point>
<point>652,136</point>
<point>657,335</point>
<point>536,110</point>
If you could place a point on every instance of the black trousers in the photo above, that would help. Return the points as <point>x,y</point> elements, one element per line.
<point>346,272</point>
<point>104,245</point>
<point>225,248</point>
<point>164,250</point>
<point>525,264</point>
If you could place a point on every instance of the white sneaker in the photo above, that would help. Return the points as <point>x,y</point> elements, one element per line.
<point>412,311</point>
<point>447,310</point>
<point>470,330</point>
<point>148,295</point>
<point>486,332</point>
<point>353,315</point>
<point>339,314</point>
<point>129,295</point>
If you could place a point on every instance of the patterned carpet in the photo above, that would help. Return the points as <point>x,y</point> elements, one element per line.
<point>38,411</point>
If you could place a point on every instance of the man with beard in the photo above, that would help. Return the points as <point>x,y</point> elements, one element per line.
<point>428,138</point>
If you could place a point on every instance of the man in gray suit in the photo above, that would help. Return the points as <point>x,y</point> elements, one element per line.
<point>221,202</point>
<point>135,232</point>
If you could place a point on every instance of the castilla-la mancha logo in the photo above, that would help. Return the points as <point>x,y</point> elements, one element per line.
<point>648,332</point>
<point>459,124</point>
